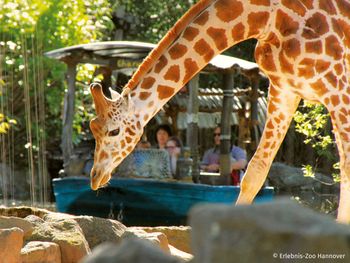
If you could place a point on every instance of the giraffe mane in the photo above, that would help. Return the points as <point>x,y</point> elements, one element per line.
<point>166,41</point>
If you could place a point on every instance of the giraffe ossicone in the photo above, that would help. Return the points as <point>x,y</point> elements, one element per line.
<point>303,47</point>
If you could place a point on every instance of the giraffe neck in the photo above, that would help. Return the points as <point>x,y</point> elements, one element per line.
<point>209,28</point>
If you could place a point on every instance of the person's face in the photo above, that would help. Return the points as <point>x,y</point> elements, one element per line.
<point>172,148</point>
<point>162,137</point>
<point>217,133</point>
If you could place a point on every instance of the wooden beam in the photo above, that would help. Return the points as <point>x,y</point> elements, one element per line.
<point>68,115</point>
<point>225,138</point>
<point>192,130</point>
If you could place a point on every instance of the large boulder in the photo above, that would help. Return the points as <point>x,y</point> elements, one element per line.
<point>96,230</point>
<point>130,250</point>
<point>41,252</point>
<point>319,192</point>
<point>281,230</point>
<point>178,236</point>
<point>11,241</point>
<point>67,234</point>
<point>9,222</point>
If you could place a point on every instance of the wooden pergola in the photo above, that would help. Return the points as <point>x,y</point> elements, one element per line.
<point>125,56</point>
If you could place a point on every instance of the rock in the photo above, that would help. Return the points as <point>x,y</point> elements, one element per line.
<point>23,211</point>
<point>41,252</point>
<point>130,250</point>
<point>320,192</point>
<point>67,234</point>
<point>11,241</point>
<point>98,230</point>
<point>286,177</point>
<point>34,220</point>
<point>156,238</point>
<point>178,236</point>
<point>9,222</point>
<point>180,254</point>
<point>95,229</point>
<point>263,232</point>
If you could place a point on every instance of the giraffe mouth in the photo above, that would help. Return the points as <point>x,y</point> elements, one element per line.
<point>99,179</point>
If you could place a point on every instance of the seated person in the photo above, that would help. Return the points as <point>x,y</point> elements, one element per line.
<point>211,158</point>
<point>163,132</point>
<point>173,146</point>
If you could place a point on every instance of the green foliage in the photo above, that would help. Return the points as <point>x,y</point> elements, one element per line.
<point>149,20</point>
<point>28,28</point>
<point>311,120</point>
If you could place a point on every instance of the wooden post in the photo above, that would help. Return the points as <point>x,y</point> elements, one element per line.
<point>254,79</point>
<point>68,115</point>
<point>192,129</point>
<point>225,138</point>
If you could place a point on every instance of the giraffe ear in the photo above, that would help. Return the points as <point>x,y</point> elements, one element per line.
<point>99,98</point>
<point>114,94</point>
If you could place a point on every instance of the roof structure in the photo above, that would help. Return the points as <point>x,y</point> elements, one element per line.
<point>129,54</point>
<point>126,56</point>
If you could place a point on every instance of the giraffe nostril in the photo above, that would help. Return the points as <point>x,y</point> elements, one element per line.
<point>93,173</point>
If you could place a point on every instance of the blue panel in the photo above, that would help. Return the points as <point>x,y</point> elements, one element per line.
<point>142,202</point>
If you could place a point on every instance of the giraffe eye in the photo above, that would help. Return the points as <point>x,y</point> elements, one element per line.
<point>114,132</point>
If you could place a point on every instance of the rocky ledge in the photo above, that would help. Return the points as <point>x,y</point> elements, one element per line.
<point>278,231</point>
<point>33,235</point>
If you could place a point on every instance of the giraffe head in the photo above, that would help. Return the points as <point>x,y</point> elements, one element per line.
<point>116,129</point>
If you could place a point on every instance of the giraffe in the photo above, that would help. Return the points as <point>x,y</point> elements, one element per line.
<point>303,47</point>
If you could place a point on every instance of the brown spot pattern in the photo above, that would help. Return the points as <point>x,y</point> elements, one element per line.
<point>173,73</point>
<point>128,139</point>
<point>314,47</point>
<point>265,58</point>
<point>219,37</point>
<point>327,6</point>
<point>102,156</point>
<point>338,69</point>
<point>296,6</point>
<point>228,10</point>
<point>147,83</point>
<point>260,2</point>
<point>160,64</point>
<point>346,99</point>
<point>333,47</point>
<point>285,24</point>
<point>306,68</point>
<point>332,79</point>
<point>315,26</point>
<point>321,65</point>
<point>273,40</point>
<point>165,92</point>
<point>286,66</point>
<point>238,32</point>
<point>291,47</point>
<point>190,33</point>
<point>335,100</point>
<point>202,19</point>
<point>144,95</point>
<point>177,51</point>
<point>191,68</point>
<point>319,87</point>
<point>344,7</point>
<point>255,19</point>
<point>346,29</point>
<point>204,49</point>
